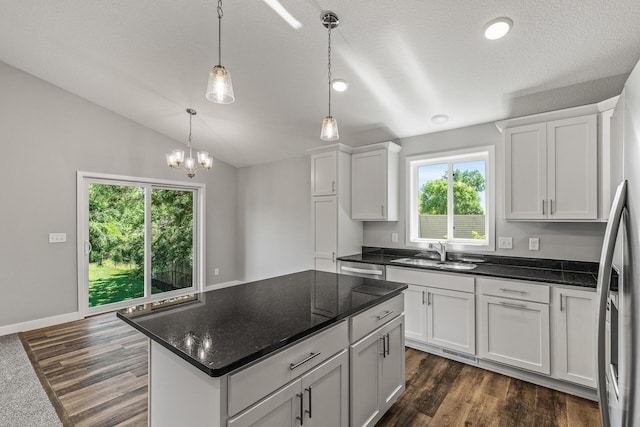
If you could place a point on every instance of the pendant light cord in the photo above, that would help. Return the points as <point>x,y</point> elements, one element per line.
<point>329,67</point>
<point>220,14</point>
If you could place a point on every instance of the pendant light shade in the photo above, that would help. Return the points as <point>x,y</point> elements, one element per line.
<point>329,131</point>
<point>219,87</point>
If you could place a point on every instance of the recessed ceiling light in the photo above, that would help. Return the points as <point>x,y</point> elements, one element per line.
<point>439,119</point>
<point>497,28</point>
<point>339,85</point>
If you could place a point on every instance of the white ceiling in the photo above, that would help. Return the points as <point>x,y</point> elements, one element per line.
<point>405,60</point>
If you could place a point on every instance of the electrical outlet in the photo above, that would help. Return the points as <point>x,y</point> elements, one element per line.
<point>394,237</point>
<point>534,243</point>
<point>216,272</point>
<point>505,242</point>
<point>57,237</point>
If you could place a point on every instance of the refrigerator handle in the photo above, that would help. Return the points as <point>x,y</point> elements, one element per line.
<point>604,283</point>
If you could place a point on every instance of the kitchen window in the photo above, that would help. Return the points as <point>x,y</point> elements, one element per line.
<point>450,199</point>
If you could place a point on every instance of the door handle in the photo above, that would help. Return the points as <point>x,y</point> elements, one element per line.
<point>309,411</point>
<point>423,298</point>
<point>388,345</point>
<point>87,247</point>
<point>542,207</point>
<point>551,206</point>
<point>301,417</point>
<point>384,350</point>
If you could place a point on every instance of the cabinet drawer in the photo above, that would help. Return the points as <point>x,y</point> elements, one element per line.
<point>453,282</point>
<point>255,382</point>
<point>515,290</point>
<point>365,322</point>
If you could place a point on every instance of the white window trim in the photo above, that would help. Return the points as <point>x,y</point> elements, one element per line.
<point>411,222</point>
<point>82,200</point>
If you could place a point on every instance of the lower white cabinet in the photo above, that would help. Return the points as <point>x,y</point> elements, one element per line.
<point>574,328</point>
<point>451,320</point>
<point>515,332</point>
<point>318,398</point>
<point>415,313</point>
<point>377,372</point>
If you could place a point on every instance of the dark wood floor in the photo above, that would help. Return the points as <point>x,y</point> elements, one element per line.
<point>95,372</point>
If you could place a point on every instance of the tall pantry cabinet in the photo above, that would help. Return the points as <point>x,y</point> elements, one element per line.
<point>334,232</point>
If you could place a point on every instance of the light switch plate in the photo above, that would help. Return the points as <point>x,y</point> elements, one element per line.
<point>57,237</point>
<point>534,243</point>
<point>394,237</point>
<point>505,242</point>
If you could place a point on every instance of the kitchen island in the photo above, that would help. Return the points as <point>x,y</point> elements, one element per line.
<point>276,352</point>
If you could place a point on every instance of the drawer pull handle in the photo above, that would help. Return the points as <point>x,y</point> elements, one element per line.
<point>293,366</point>
<point>386,313</point>
<point>513,290</point>
<point>301,417</point>
<point>510,304</point>
<point>309,411</point>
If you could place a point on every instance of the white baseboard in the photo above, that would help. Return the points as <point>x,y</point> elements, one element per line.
<point>222,285</point>
<point>39,323</point>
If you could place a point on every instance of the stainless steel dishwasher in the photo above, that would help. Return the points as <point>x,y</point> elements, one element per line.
<point>361,269</point>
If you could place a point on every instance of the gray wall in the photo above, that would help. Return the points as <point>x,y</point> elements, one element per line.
<point>47,135</point>
<point>274,225</point>
<point>576,241</point>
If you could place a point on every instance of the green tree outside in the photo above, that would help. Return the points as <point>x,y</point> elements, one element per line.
<point>466,198</point>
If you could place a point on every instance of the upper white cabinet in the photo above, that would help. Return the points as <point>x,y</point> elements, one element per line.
<point>374,182</point>
<point>334,232</point>
<point>574,326</point>
<point>551,170</point>
<point>324,173</point>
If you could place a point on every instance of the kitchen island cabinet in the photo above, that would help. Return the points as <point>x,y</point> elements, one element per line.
<point>260,354</point>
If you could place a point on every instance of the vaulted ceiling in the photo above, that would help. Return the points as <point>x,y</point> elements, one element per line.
<point>405,61</point>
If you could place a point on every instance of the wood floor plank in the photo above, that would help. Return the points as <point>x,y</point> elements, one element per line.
<point>95,372</point>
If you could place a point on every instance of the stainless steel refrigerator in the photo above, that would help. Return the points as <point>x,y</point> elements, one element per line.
<point>618,351</point>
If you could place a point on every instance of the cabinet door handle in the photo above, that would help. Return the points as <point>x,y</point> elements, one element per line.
<point>309,411</point>
<point>561,298</point>
<point>423,298</point>
<point>510,304</point>
<point>516,291</point>
<point>384,349</point>
<point>301,417</point>
<point>551,206</point>
<point>388,345</point>
<point>386,313</point>
<point>333,257</point>
<point>428,298</point>
<point>333,186</point>
<point>542,207</point>
<point>382,210</point>
<point>293,366</point>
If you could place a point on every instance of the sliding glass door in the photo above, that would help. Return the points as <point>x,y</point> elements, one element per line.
<point>138,239</point>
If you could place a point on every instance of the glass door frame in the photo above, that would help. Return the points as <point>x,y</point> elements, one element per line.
<point>83,179</point>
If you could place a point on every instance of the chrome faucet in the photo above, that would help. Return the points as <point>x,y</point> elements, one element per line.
<point>441,248</point>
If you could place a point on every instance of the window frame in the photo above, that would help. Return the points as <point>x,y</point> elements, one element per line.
<point>83,179</point>
<point>486,153</point>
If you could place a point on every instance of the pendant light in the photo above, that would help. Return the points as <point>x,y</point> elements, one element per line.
<point>329,130</point>
<point>219,87</point>
<point>176,159</point>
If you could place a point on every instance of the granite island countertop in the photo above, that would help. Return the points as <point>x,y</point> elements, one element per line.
<point>222,330</point>
<point>563,272</point>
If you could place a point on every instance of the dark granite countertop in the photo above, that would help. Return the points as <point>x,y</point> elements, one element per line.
<point>222,330</point>
<point>564,272</point>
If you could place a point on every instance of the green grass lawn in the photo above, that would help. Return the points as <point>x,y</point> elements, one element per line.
<point>112,283</point>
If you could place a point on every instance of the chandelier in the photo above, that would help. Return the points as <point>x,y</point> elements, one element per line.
<point>176,159</point>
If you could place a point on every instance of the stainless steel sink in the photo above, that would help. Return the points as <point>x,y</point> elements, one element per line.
<point>447,265</point>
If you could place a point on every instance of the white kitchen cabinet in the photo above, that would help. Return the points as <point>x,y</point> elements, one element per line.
<point>324,173</point>
<point>377,372</point>
<point>374,179</point>
<point>335,234</point>
<point>451,320</point>
<point>318,398</point>
<point>515,332</point>
<point>415,313</point>
<point>574,328</point>
<point>551,170</point>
